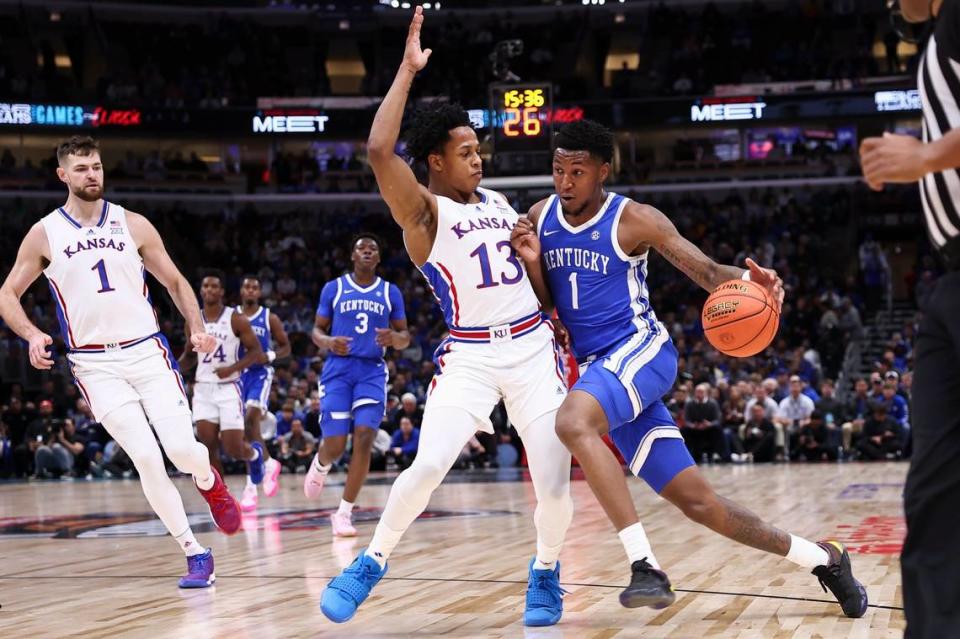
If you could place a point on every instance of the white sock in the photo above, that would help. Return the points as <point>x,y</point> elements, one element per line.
<point>383,542</point>
<point>206,483</point>
<point>320,467</point>
<point>543,565</point>
<point>189,543</point>
<point>345,508</point>
<point>806,553</point>
<point>637,545</point>
<point>250,483</point>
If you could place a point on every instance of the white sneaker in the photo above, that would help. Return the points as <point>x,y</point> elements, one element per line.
<point>342,526</point>
<point>248,501</point>
<point>271,477</point>
<point>313,482</point>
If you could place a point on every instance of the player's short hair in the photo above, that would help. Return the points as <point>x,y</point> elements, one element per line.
<point>217,273</point>
<point>250,276</point>
<point>429,128</point>
<point>366,235</point>
<point>82,145</point>
<point>586,135</point>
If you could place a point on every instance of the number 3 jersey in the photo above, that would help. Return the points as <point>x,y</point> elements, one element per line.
<point>98,280</point>
<point>227,352</point>
<point>476,277</point>
<point>356,311</point>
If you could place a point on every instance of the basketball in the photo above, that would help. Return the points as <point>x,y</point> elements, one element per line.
<point>739,318</point>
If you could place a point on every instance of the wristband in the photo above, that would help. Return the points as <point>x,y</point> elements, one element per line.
<point>271,356</point>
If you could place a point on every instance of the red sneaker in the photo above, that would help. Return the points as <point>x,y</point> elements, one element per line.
<point>223,507</point>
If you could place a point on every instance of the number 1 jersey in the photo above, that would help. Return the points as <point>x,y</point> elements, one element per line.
<point>98,280</point>
<point>356,311</point>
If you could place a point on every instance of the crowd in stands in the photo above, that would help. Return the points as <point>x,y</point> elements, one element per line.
<point>218,59</point>
<point>802,233</point>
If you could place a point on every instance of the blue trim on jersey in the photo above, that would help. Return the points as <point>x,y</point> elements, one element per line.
<point>61,316</point>
<point>441,290</point>
<point>636,352</point>
<point>69,219</point>
<point>103,214</point>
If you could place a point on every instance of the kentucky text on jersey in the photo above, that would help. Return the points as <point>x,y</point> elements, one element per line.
<point>362,305</point>
<point>479,224</point>
<point>92,244</point>
<point>576,258</point>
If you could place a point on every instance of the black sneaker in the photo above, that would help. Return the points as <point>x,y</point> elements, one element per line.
<point>838,577</point>
<point>648,587</point>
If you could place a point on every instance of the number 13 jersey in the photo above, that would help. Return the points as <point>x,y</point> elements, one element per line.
<point>476,277</point>
<point>98,280</point>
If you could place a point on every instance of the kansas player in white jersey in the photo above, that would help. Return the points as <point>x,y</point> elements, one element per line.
<point>217,395</point>
<point>499,346</point>
<point>256,381</point>
<point>95,256</point>
<point>358,317</point>
<point>587,251</point>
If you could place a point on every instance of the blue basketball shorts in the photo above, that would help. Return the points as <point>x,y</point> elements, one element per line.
<point>256,383</point>
<point>353,392</point>
<point>629,382</point>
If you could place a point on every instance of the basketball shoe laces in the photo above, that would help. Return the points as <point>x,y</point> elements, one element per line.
<point>197,564</point>
<point>545,591</point>
<point>358,579</point>
<point>831,576</point>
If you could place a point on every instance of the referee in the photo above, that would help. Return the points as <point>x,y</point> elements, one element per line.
<point>930,561</point>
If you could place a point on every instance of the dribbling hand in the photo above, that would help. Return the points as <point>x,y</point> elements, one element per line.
<point>768,279</point>
<point>37,348</point>
<point>203,343</point>
<point>386,337</point>
<point>524,240</point>
<point>340,345</point>
<point>413,56</point>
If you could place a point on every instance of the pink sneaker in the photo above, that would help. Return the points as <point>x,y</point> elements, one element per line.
<point>248,501</point>
<point>313,482</point>
<point>271,477</point>
<point>342,527</point>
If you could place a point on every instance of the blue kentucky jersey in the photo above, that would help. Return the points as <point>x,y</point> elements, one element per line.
<point>260,323</point>
<point>357,312</point>
<point>599,291</point>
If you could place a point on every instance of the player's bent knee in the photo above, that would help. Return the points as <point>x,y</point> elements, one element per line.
<point>428,472</point>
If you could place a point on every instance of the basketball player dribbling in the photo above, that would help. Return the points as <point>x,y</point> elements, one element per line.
<point>499,346</point>
<point>586,251</point>
<point>95,256</point>
<point>358,317</point>
<point>256,382</point>
<point>217,395</point>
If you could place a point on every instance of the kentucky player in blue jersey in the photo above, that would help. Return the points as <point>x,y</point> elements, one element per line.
<point>586,251</point>
<point>358,317</point>
<point>257,380</point>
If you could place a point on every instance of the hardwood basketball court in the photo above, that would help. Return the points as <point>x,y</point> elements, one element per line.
<point>89,559</point>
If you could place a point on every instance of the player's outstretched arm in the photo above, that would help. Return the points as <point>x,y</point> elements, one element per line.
<point>412,206</point>
<point>644,226</point>
<point>33,255</point>
<point>251,345</point>
<point>157,261</point>
<point>280,337</point>
<point>526,243</point>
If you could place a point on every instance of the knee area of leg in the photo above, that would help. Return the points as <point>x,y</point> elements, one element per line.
<point>697,509</point>
<point>571,427</point>
<point>427,472</point>
<point>182,454</point>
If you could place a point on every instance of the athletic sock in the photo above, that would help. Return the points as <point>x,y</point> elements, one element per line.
<point>636,544</point>
<point>345,508</point>
<point>323,470</point>
<point>806,553</point>
<point>542,565</point>
<point>206,483</point>
<point>189,543</point>
<point>250,483</point>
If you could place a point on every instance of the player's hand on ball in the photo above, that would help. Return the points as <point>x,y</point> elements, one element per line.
<point>413,56</point>
<point>37,348</point>
<point>340,345</point>
<point>767,278</point>
<point>386,337</point>
<point>524,240</point>
<point>203,343</point>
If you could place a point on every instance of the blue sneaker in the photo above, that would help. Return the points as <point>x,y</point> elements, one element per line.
<point>199,571</point>
<point>344,594</point>
<point>544,597</point>
<point>255,467</point>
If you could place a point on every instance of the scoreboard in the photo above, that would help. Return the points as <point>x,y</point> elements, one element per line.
<point>521,119</point>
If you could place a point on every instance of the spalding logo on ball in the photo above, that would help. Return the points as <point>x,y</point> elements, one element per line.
<point>739,318</point>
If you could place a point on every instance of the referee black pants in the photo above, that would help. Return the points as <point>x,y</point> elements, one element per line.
<point>931,554</point>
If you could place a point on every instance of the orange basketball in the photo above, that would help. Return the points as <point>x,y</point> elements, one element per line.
<point>739,318</point>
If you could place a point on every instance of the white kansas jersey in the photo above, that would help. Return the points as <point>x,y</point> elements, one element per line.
<point>476,277</point>
<point>226,353</point>
<point>98,281</point>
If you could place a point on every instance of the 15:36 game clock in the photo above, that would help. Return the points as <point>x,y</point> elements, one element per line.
<point>521,117</point>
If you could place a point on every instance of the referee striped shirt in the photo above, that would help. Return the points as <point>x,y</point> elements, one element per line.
<point>939,84</point>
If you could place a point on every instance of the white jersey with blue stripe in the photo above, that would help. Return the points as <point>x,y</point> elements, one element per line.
<point>98,281</point>
<point>599,291</point>
<point>475,275</point>
<point>260,323</point>
<point>227,352</point>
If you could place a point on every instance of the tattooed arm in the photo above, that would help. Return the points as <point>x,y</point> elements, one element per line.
<point>642,227</point>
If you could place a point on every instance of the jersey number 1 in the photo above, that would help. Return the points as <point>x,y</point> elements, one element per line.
<point>101,270</point>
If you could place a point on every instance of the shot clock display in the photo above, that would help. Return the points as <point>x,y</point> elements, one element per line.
<point>521,117</point>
